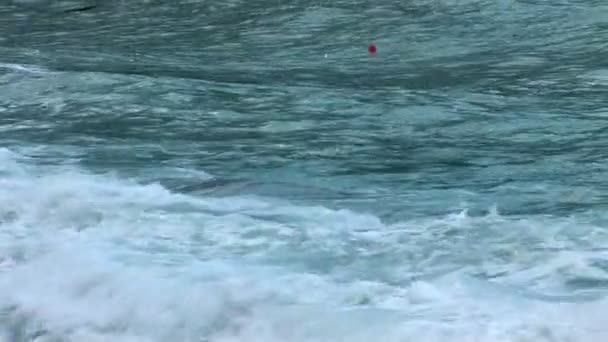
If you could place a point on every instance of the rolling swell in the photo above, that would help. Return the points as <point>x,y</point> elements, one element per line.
<point>236,171</point>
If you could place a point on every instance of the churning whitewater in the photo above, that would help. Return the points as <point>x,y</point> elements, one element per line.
<point>93,257</point>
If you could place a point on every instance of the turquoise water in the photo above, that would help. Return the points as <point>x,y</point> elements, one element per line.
<point>238,171</point>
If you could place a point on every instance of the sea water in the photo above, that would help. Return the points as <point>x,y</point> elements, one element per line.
<point>221,171</point>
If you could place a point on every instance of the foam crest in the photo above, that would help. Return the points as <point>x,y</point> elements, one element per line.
<point>87,257</point>
<point>23,68</point>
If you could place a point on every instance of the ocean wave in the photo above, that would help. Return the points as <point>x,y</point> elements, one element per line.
<point>94,257</point>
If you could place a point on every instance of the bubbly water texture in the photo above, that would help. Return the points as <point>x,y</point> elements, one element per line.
<point>220,171</point>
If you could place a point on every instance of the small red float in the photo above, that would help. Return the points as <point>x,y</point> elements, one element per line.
<point>371,48</point>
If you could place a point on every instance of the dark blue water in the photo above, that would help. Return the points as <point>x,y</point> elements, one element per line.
<point>237,171</point>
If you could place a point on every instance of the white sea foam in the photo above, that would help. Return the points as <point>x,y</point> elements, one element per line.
<point>23,68</point>
<point>87,257</point>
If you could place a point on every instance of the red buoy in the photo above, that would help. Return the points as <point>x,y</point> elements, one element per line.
<point>371,48</point>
